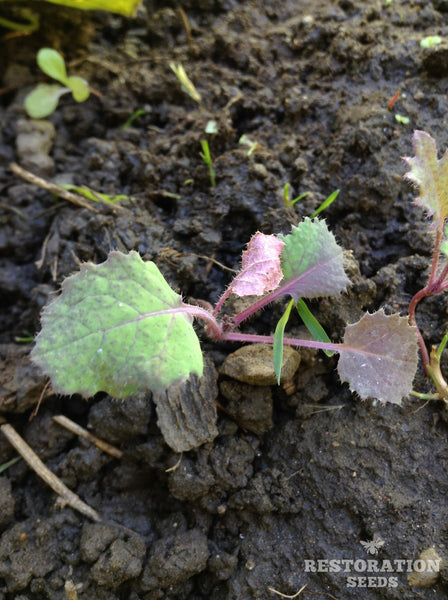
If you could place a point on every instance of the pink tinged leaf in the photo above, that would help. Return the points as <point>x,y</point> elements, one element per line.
<point>261,268</point>
<point>430,175</point>
<point>379,357</point>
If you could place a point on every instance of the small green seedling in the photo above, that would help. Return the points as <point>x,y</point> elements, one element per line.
<point>10,463</point>
<point>286,197</point>
<point>186,84</point>
<point>95,196</point>
<point>43,100</point>
<point>245,141</point>
<point>26,338</point>
<point>207,158</point>
<point>325,204</point>
<point>211,127</point>
<point>135,115</point>
<point>431,40</point>
<point>402,119</point>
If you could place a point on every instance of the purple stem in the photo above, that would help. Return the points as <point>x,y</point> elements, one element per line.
<point>262,302</point>
<point>434,286</point>
<point>214,329</point>
<point>222,300</point>
<point>269,339</point>
<point>218,333</point>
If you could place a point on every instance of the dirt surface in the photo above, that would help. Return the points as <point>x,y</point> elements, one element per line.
<point>303,474</point>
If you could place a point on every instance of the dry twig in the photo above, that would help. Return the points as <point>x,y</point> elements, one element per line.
<point>300,591</point>
<point>75,428</point>
<point>176,466</point>
<point>51,187</point>
<point>285,595</point>
<point>50,478</point>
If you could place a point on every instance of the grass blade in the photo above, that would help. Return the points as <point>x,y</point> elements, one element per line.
<point>278,341</point>
<point>312,324</point>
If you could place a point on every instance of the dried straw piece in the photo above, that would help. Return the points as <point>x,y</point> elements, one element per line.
<point>78,430</point>
<point>50,478</point>
<point>51,187</point>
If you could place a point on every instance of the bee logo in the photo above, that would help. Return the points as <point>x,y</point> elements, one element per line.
<point>372,546</point>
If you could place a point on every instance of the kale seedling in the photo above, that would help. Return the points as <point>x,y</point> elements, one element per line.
<point>43,100</point>
<point>118,327</point>
<point>431,176</point>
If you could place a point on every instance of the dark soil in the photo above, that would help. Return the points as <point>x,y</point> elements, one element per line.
<point>310,82</point>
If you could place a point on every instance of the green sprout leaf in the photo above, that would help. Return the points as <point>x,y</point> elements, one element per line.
<point>95,196</point>
<point>79,87</point>
<point>207,158</point>
<point>401,119</point>
<point>10,463</point>
<point>212,127</point>
<point>43,100</point>
<point>117,327</point>
<point>52,64</point>
<point>430,175</point>
<point>135,115</point>
<point>128,8</point>
<point>430,40</point>
<point>325,204</point>
<point>379,357</point>
<point>287,200</point>
<point>245,141</point>
<point>312,324</point>
<point>278,341</point>
<point>312,262</point>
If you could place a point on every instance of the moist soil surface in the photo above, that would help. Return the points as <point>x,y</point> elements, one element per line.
<point>298,473</point>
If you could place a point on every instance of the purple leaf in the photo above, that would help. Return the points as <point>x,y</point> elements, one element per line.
<point>261,268</point>
<point>379,357</point>
<point>430,175</point>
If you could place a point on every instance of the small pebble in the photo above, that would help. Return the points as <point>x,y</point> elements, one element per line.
<point>426,578</point>
<point>255,365</point>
